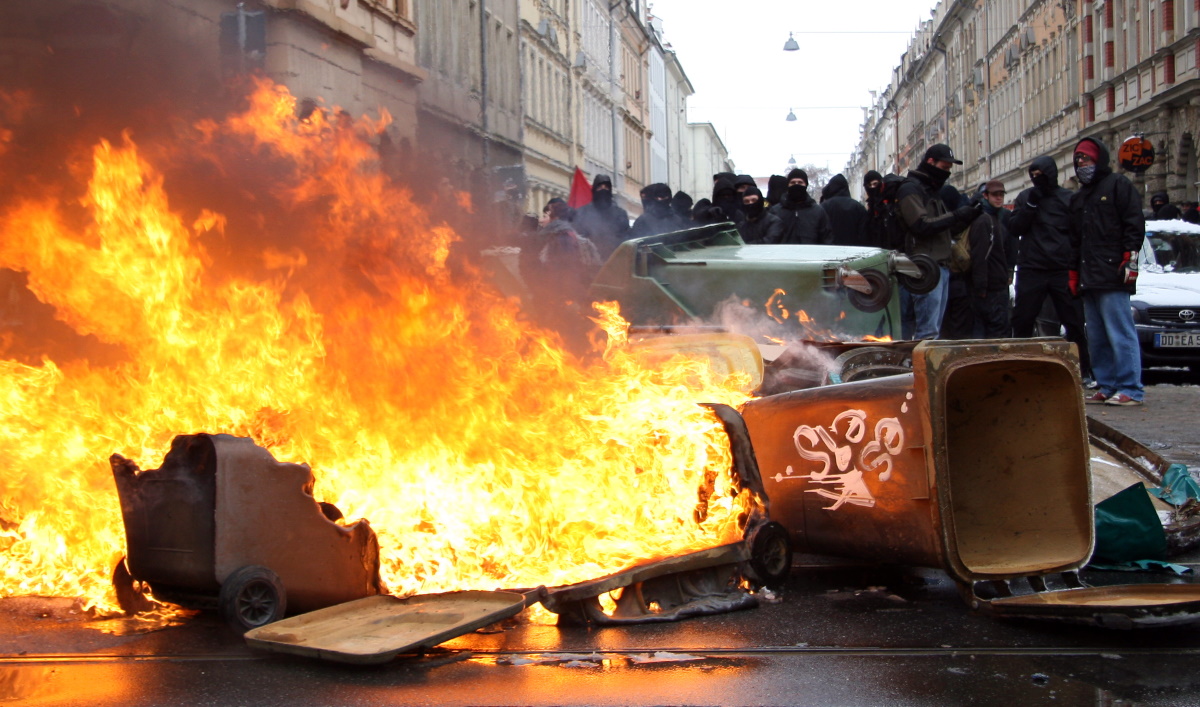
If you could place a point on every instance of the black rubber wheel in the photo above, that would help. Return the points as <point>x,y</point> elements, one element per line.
<point>881,292</point>
<point>770,553</point>
<point>131,594</point>
<point>252,596</point>
<point>868,362</point>
<point>931,274</point>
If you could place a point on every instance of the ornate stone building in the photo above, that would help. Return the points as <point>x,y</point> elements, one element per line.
<point>1003,81</point>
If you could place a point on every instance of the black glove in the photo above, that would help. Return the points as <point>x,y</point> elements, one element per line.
<point>970,212</point>
<point>1033,197</point>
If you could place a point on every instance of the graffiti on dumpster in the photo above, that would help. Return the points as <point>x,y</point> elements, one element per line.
<point>844,444</point>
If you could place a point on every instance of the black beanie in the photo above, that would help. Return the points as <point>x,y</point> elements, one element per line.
<point>798,173</point>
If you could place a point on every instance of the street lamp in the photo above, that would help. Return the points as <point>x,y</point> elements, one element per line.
<point>792,161</point>
<point>791,116</point>
<point>790,45</point>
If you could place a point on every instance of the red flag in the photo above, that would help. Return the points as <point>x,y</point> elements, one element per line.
<point>581,191</point>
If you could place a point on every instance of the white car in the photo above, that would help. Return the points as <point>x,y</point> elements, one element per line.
<point>1166,307</point>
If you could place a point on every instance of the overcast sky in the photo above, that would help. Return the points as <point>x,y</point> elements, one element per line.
<point>745,83</point>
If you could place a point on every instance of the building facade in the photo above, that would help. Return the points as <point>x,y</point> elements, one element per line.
<point>1003,81</point>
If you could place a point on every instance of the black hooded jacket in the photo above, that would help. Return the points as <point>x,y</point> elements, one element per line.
<point>659,215</point>
<point>804,222</point>
<point>847,217</point>
<point>1044,230</point>
<point>726,198</point>
<point>1106,223</point>
<point>606,226</point>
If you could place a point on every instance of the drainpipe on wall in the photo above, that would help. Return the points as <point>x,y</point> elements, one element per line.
<point>618,168</point>
<point>483,82</point>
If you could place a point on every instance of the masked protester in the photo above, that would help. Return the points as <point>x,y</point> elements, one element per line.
<point>776,188</point>
<point>760,225</point>
<point>990,270</point>
<point>1161,208</point>
<point>1041,222</point>
<point>1107,230</point>
<point>704,213</point>
<point>847,217</point>
<point>804,221</point>
<point>726,199</point>
<point>928,229</point>
<point>877,215</point>
<point>658,216</point>
<point>602,221</point>
<point>682,204</point>
<point>740,184</point>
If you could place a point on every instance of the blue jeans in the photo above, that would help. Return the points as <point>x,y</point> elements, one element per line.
<point>921,315</point>
<point>1113,343</point>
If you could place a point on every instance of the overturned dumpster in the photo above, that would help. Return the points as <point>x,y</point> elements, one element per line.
<point>693,275</point>
<point>976,462</point>
<point>222,524</point>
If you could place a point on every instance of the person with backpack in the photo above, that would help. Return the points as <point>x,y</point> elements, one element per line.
<point>1107,230</point>
<point>928,227</point>
<point>1041,221</point>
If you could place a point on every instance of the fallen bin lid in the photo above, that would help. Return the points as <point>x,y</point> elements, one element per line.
<point>376,629</point>
<point>1123,606</point>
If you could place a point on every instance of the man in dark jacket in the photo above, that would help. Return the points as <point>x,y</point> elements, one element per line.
<point>602,222</point>
<point>1041,221</point>
<point>1162,209</point>
<point>776,188</point>
<point>726,199</point>
<point>877,213</point>
<point>847,217</point>
<point>682,204</point>
<point>1107,230</point>
<point>658,216</point>
<point>804,221</point>
<point>988,279</point>
<point>928,228</point>
<point>760,225</point>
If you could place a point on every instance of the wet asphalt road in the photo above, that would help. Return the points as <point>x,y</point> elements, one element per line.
<point>839,634</point>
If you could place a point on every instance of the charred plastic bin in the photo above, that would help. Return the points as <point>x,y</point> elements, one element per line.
<point>224,525</point>
<point>977,463</point>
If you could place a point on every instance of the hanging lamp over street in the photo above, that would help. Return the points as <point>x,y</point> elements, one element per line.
<point>791,116</point>
<point>790,45</point>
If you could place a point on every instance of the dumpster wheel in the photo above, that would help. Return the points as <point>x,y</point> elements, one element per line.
<point>770,554</point>
<point>931,273</point>
<point>252,596</point>
<point>880,296</point>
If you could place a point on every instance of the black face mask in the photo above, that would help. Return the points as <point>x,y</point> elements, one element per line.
<point>755,210</point>
<point>874,190</point>
<point>602,197</point>
<point>936,175</point>
<point>1042,182</point>
<point>798,193</point>
<point>660,207</point>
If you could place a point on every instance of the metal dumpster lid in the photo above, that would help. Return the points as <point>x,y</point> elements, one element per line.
<point>376,629</point>
<point>1123,606</point>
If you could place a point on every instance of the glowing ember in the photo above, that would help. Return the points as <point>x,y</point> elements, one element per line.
<point>283,288</point>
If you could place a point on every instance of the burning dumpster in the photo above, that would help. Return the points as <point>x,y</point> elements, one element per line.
<point>223,525</point>
<point>693,275</point>
<point>976,462</point>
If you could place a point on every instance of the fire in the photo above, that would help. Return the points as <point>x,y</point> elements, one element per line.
<point>260,275</point>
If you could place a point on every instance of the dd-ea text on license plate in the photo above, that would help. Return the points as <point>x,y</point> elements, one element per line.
<point>1171,339</point>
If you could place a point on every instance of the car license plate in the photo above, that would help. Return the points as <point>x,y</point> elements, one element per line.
<point>1170,339</point>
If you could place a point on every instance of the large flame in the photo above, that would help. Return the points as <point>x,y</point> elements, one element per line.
<point>329,321</point>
